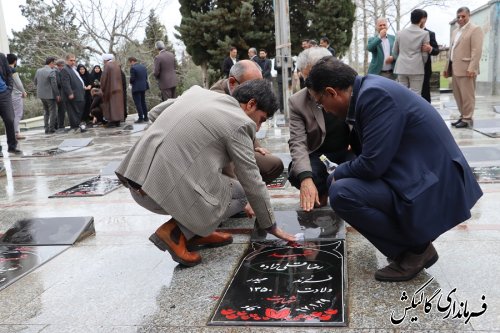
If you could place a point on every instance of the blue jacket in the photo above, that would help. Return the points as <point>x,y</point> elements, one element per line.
<point>139,78</point>
<point>406,144</point>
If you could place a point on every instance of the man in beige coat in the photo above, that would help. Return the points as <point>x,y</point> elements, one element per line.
<point>463,65</point>
<point>175,167</point>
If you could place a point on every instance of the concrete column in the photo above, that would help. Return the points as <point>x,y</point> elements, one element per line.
<point>4,41</point>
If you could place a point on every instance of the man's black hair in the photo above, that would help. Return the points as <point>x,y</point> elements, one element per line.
<point>49,60</point>
<point>417,15</point>
<point>330,72</point>
<point>11,58</point>
<point>261,91</point>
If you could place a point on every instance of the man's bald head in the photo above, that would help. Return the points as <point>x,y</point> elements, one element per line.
<point>242,71</point>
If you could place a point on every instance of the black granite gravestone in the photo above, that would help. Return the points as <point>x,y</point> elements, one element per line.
<point>17,261</point>
<point>65,146</point>
<point>484,162</point>
<point>488,127</point>
<point>94,187</point>
<point>484,154</point>
<point>279,182</point>
<point>298,283</point>
<point>49,231</point>
<point>30,243</point>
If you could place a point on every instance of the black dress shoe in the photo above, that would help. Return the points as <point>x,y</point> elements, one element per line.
<point>408,266</point>
<point>1,154</point>
<point>456,122</point>
<point>138,121</point>
<point>15,151</point>
<point>462,124</point>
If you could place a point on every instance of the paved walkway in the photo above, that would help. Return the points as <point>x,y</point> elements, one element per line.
<point>117,281</point>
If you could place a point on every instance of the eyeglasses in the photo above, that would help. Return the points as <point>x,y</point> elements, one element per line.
<point>236,80</point>
<point>319,104</point>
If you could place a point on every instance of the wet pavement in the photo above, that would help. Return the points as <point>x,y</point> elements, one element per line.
<point>117,281</point>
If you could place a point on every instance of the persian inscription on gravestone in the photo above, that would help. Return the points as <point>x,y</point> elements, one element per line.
<point>290,284</point>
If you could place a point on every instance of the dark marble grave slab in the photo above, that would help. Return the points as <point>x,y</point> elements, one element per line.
<point>282,283</point>
<point>489,174</point>
<point>17,261</point>
<point>278,182</point>
<point>74,144</point>
<point>94,187</point>
<point>318,224</point>
<point>129,129</point>
<point>49,231</point>
<point>294,284</point>
<point>488,127</point>
<point>65,146</point>
<point>109,169</point>
<point>481,154</point>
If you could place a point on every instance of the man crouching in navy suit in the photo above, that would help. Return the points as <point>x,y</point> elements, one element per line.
<point>409,183</point>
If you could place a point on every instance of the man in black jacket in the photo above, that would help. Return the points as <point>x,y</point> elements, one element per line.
<point>432,49</point>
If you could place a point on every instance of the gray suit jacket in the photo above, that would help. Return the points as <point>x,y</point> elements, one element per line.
<point>307,130</point>
<point>407,50</point>
<point>46,83</point>
<point>71,84</point>
<point>179,159</point>
<point>164,70</point>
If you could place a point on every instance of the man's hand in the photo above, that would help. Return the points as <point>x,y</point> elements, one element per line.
<point>262,150</point>
<point>249,211</point>
<point>470,74</point>
<point>445,74</point>
<point>308,194</point>
<point>71,96</point>
<point>427,48</point>
<point>389,60</point>
<point>383,33</point>
<point>276,231</point>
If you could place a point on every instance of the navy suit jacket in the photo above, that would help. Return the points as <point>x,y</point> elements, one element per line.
<point>406,144</point>
<point>139,78</point>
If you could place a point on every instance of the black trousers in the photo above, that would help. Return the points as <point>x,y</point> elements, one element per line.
<point>140,104</point>
<point>75,110</point>
<point>7,114</point>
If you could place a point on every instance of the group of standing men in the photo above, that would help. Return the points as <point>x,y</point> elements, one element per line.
<point>407,57</point>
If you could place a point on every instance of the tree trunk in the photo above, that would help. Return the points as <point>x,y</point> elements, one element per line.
<point>204,74</point>
<point>365,37</point>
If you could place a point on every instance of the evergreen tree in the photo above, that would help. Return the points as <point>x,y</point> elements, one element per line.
<point>209,27</point>
<point>336,24</point>
<point>155,31</point>
<point>50,32</point>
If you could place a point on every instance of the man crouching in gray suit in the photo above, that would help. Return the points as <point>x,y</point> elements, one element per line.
<point>176,168</point>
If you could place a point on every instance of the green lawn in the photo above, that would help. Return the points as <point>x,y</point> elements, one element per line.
<point>439,67</point>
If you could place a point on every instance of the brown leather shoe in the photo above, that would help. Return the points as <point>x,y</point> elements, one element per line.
<point>169,238</point>
<point>215,239</point>
<point>408,266</point>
